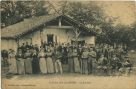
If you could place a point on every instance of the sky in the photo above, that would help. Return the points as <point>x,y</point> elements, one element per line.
<point>124,10</point>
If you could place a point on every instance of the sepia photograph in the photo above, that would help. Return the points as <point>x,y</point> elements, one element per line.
<point>68,44</point>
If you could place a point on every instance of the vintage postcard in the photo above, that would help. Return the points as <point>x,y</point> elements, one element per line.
<point>76,44</point>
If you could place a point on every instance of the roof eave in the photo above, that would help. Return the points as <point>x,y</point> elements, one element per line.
<point>8,38</point>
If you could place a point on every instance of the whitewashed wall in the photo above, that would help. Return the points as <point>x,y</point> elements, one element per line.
<point>63,35</point>
<point>33,37</point>
<point>26,38</point>
<point>36,38</point>
<point>7,44</point>
<point>88,39</point>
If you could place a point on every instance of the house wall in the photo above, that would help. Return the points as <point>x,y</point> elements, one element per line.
<point>88,39</point>
<point>63,35</point>
<point>7,44</point>
<point>33,38</point>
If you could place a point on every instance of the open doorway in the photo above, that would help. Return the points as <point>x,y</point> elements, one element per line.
<point>50,39</point>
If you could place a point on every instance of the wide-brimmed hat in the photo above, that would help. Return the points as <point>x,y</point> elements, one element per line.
<point>12,50</point>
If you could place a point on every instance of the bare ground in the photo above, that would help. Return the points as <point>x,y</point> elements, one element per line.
<point>69,81</point>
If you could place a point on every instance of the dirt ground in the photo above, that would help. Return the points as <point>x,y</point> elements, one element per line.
<point>69,81</point>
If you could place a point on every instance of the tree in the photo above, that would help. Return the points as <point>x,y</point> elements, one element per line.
<point>15,11</point>
<point>107,31</point>
<point>132,35</point>
<point>91,15</point>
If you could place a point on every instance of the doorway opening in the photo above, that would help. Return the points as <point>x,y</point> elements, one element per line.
<point>50,39</point>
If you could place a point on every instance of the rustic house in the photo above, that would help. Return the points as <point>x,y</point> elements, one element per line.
<point>50,28</point>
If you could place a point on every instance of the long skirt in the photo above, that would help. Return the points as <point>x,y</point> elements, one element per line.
<point>12,66</point>
<point>43,67</point>
<point>84,66</point>
<point>71,65</point>
<point>20,66</point>
<point>90,65</point>
<point>50,67</point>
<point>5,62</point>
<point>94,67</point>
<point>58,66</point>
<point>28,66</point>
<point>76,65</point>
<point>35,66</point>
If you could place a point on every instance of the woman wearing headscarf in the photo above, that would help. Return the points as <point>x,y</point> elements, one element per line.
<point>4,55</point>
<point>111,52</point>
<point>80,50</point>
<point>28,62</point>
<point>12,62</point>
<point>127,65</point>
<point>58,56</point>
<point>102,65</point>
<point>35,63</point>
<point>85,61</point>
<point>76,61</point>
<point>42,62</point>
<point>92,61</point>
<point>50,66</point>
<point>70,61</point>
<point>20,62</point>
<point>115,64</point>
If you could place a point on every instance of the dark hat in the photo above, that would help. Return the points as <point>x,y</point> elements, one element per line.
<point>12,50</point>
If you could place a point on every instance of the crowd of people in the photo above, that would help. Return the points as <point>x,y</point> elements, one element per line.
<point>101,59</point>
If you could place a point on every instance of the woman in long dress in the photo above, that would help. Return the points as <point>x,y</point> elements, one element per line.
<point>85,61</point>
<point>20,62</point>
<point>76,61</point>
<point>58,65</point>
<point>12,62</point>
<point>35,62</point>
<point>28,62</point>
<point>102,65</point>
<point>70,61</point>
<point>92,61</point>
<point>42,62</point>
<point>50,66</point>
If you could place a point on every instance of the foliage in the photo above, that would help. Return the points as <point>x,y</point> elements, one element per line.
<point>15,11</point>
<point>88,13</point>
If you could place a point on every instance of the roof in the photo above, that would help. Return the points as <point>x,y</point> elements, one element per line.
<point>28,25</point>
